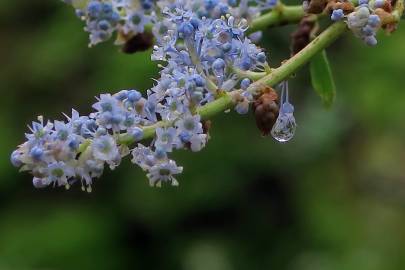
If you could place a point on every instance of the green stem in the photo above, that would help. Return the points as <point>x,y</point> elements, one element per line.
<point>291,65</point>
<point>148,132</point>
<point>253,75</point>
<point>217,106</point>
<point>278,16</point>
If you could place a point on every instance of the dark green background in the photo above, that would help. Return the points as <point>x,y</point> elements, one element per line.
<point>333,198</point>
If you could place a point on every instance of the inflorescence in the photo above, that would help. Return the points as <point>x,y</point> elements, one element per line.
<point>130,17</point>
<point>200,55</point>
<point>204,53</point>
<point>363,17</point>
<point>362,21</point>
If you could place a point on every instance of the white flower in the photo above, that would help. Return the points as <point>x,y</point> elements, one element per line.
<point>105,148</point>
<point>163,172</point>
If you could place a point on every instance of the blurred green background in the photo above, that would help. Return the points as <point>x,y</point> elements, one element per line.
<point>333,198</point>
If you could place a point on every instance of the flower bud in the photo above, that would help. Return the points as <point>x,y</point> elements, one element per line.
<point>266,110</point>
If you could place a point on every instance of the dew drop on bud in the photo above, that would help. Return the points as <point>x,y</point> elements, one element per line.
<point>285,126</point>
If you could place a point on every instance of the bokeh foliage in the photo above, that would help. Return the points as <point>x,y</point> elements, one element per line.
<point>333,198</point>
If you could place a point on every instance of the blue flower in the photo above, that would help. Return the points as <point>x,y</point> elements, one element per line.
<point>133,96</point>
<point>40,131</point>
<point>379,3</point>
<point>363,2</point>
<point>40,182</point>
<point>164,172</point>
<point>166,139</point>
<point>135,22</point>
<point>105,148</point>
<point>374,20</point>
<point>197,142</point>
<point>364,24</point>
<point>137,133</point>
<point>62,130</point>
<point>172,109</point>
<point>94,9</point>
<point>144,157</point>
<point>37,153</point>
<point>190,124</point>
<point>244,84</point>
<point>16,158</point>
<point>370,40</point>
<point>59,172</point>
<point>337,14</point>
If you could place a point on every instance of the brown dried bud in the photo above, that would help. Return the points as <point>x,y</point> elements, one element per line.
<point>206,125</point>
<point>388,22</point>
<point>315,6</point>
<point>265,109</point>
<point>302,36</point>
<point>138,43</point>
<point>387,6</point>
<point>346,6</point>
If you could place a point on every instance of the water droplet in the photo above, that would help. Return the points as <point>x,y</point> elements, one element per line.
<point>284,128</point>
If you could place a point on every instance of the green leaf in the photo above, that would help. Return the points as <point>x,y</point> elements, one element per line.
<point>322,78</point>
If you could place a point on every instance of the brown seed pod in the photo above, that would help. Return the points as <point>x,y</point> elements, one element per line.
<point>315,6</point>
<point>388,21</point>
<point>344,5</point>
<point>265,109</point>
<point>207,124</point>
<point>387,6</point>
<point>138,43</point>
<point>347,7</point>
<point>302,36</point>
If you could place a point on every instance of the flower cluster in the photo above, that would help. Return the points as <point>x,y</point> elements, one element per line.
<point>59,153</point>
<point>202,56</point>
<point>363,21</point>
<point>203,53</point>
<point>103,18</point>
<point>129,17</point>
<point>214,9</point>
